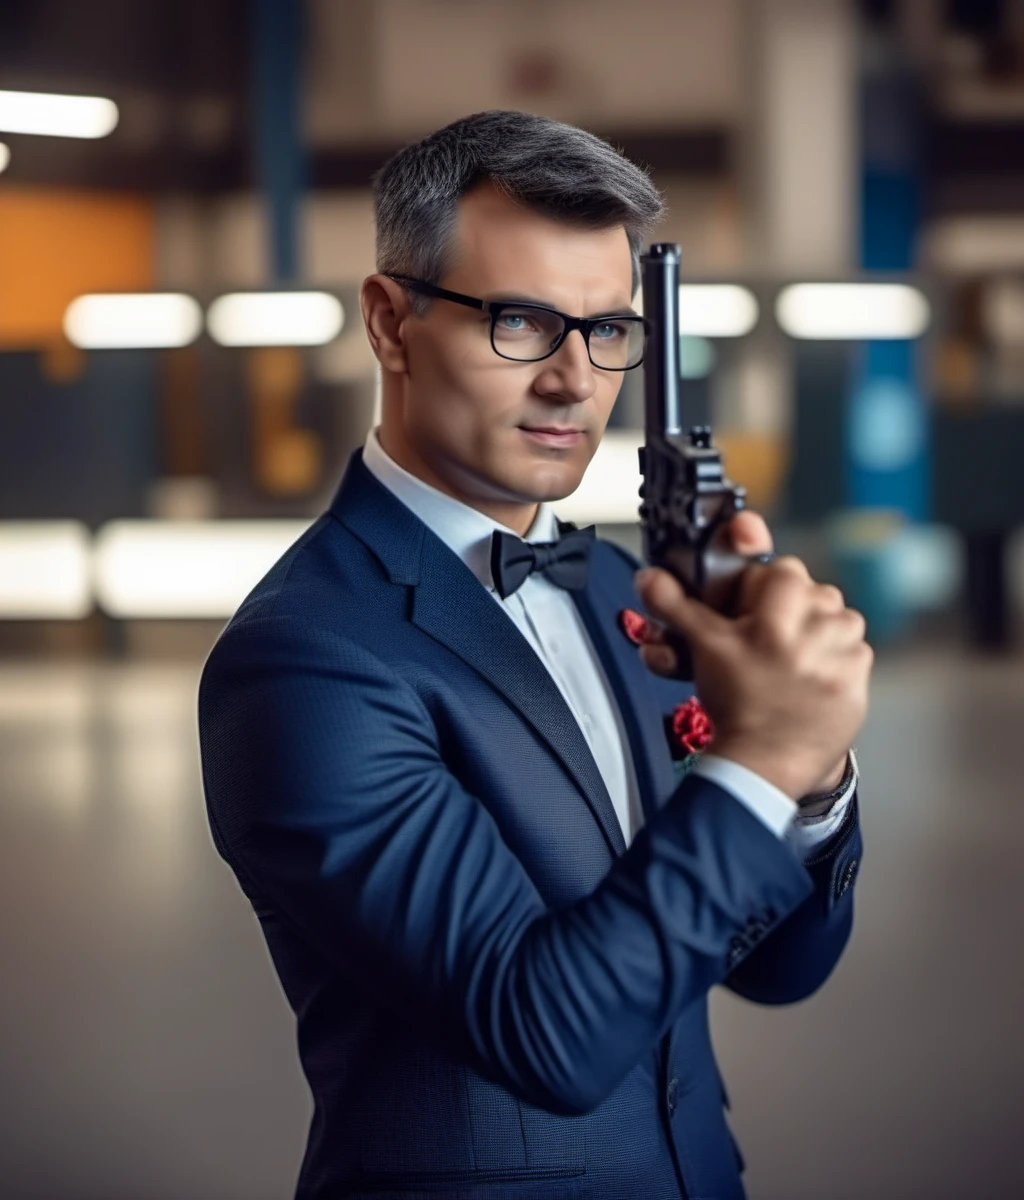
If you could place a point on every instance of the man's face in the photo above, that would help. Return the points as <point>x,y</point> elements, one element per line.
<point>468,416</point>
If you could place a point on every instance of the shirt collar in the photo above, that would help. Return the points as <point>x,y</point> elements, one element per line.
<point>463,529</point>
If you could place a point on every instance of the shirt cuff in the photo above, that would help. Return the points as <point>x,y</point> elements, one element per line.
<point>807,834</point>
<point>768,803</point>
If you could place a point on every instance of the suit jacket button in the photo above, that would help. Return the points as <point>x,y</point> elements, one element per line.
<point>736,948</point>
<point>848,876</point>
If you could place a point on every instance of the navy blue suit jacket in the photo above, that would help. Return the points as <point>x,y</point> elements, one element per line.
<point>494,997</point>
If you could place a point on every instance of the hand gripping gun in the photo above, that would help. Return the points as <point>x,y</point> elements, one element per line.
<point>687,500</point>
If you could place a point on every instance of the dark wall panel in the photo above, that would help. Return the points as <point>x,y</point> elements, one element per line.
<point>85,449</point>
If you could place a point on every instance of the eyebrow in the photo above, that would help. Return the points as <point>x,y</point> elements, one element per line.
<point>523,298</point>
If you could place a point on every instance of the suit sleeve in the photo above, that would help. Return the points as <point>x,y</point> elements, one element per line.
<point>796,958</point>
<point>329,798</point>
<point>788,961</point>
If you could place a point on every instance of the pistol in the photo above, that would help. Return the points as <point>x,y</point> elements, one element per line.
<point>687,502</point>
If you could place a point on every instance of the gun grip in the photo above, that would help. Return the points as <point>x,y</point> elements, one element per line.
<point>722,571</point>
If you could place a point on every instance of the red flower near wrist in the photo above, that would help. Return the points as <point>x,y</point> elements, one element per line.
<point>689,728</point>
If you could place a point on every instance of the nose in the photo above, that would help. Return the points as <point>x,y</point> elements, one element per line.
<point>568,374</point>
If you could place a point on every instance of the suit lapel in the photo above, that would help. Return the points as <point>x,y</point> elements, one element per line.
<point>451,605</point>
<point>454,608</point>
<point>633,687</point>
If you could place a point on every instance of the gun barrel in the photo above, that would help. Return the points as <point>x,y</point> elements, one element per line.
<point>660,281</point>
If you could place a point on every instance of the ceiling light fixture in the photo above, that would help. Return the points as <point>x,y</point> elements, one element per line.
<point>57,116</point>
<point>716,310</point>
<point>156,320</point>
<point>275,319</point>
<point>852,311</point>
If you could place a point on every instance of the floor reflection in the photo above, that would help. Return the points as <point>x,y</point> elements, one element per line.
<point>148,1055</point>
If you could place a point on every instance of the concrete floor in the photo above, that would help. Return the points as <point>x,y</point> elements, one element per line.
<point>147,1053</point>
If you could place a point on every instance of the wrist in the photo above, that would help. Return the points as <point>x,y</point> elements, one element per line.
<point>820,802</point>
<point>831,781</point>
<point>783,770</point>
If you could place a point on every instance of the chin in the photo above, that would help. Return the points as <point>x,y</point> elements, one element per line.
<point>546,488</point>
<point>539,479</point>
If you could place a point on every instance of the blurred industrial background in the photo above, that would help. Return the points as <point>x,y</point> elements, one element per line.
<point>185,218</point>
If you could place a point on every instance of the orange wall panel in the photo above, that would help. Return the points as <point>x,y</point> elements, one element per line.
<point>55,245</point>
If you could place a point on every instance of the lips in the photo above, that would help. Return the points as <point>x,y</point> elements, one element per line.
<point>564,429</point>
<point>553,436</point>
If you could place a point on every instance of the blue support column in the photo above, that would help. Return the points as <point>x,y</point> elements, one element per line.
<point>277,77</point>
<point>887,429</point>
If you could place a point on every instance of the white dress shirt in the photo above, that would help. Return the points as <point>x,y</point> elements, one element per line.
<point>549,620</point>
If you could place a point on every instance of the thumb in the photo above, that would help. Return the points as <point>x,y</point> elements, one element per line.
<point>749,533</point>
<point>664,598</point>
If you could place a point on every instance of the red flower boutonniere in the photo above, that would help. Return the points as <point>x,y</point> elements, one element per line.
<point>689,728</point>
<point>633,625</point>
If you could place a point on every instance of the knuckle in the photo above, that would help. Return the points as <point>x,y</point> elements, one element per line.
<point>830,597</point>
<point>790,564</point>
<point>856,621</point>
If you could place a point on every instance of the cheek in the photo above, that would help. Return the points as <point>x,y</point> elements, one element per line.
<point>603,405</point>
<point>463,366</point>
<point>470,409</point>
<point>608,394</point>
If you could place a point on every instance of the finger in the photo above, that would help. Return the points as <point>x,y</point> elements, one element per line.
<point>783,582</point>
<point>664,597</point>
<point>836,633</point>
<point>660,659</point>
<point>749,534</point>
<point>828,598</point>
<point>851,628</point>
<point>654,634</point>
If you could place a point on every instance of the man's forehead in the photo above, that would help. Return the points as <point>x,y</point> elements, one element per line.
<point>498,244</point>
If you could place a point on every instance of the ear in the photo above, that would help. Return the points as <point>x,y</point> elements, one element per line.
<point>385,306</point>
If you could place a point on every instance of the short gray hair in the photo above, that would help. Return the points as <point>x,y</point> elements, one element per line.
<point>557,170</point>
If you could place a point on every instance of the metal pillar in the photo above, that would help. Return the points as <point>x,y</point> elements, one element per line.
<point>280,161</point>
<point>887,440</point>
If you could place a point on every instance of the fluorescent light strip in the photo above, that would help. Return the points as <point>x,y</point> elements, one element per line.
<point>167,569</point>
<point>716,310</point>
<point>608,492</point>
<point>275,319</point>
<point>125,321</point>
<point>852,311</point>
<point>44,570</point>
<point>57,116</point>
<point>5,157</point>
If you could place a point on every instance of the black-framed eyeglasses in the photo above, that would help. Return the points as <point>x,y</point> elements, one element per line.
<point>524,332</point>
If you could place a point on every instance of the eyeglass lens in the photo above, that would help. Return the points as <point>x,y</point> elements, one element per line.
<point>529,334</point>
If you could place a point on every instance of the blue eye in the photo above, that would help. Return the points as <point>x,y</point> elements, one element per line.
<point>608,331</point>
<point>513,322</point>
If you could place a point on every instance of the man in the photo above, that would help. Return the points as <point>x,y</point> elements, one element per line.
<point>445,784</point>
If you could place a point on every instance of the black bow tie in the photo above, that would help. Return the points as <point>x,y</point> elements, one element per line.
<point>564,562</point>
